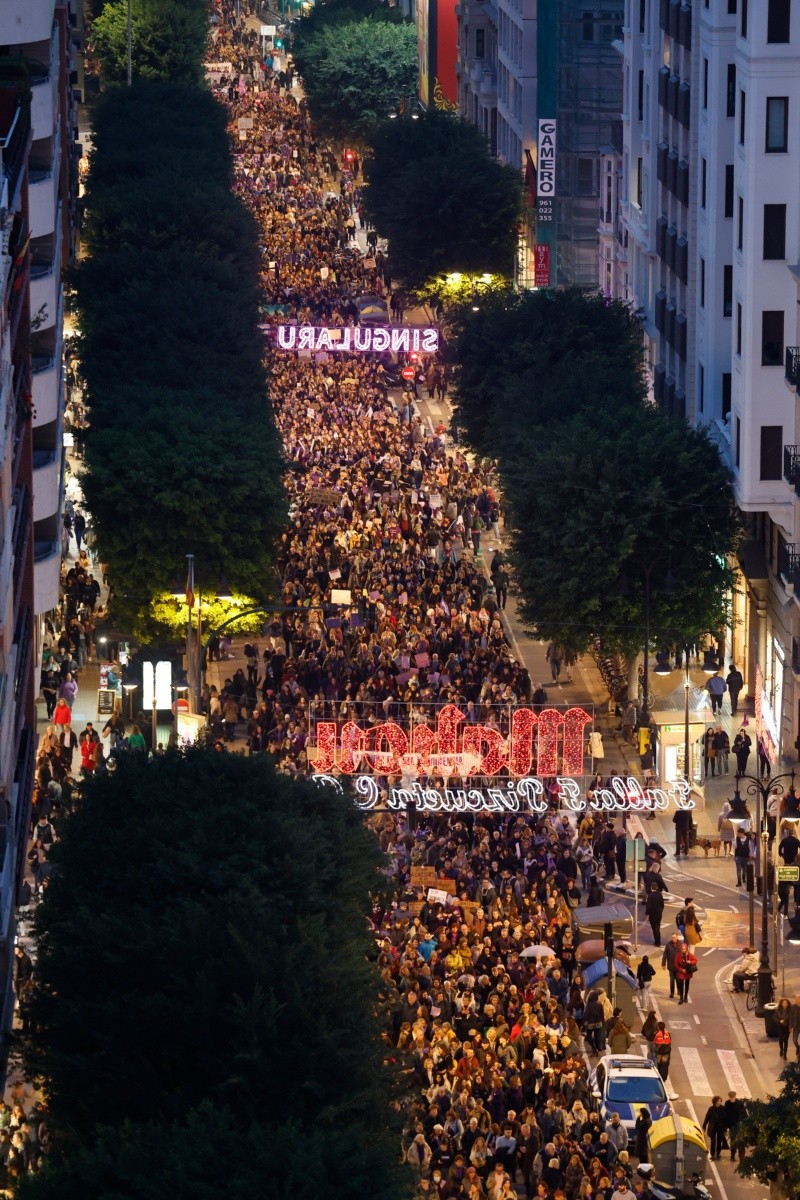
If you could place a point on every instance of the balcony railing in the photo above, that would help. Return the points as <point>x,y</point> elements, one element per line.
<point>793,365</point>
<point>14,146</point>
<point>791,465</point>
<point>789,565</point>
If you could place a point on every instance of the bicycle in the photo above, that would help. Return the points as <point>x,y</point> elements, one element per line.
<point>751,988</point>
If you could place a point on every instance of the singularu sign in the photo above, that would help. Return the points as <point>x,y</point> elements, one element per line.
<point>358,339</point>
<point>551,742</point>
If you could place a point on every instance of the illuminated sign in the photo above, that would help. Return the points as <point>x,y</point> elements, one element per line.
<point>541,265</point>
<point>359,339</point>
<point>546,171</point>
<point>520,796</point>
<point>550,742</point>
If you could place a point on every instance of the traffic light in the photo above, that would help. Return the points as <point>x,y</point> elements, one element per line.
<point>277,43</point>
<point>349,155</point>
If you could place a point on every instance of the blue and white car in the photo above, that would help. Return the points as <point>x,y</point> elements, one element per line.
<point>625,1083</point>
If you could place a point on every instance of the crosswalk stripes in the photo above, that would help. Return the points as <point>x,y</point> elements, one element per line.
<point>695,1072</point>
<point>734,1073</point>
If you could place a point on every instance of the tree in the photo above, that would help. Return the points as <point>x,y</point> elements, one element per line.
<point>605,504</point>
<point>203,940</point>
<point>568,348</point>
<point>213,1154</point>
<point>441,200</point>
<point>168,40</point>
<point>771,1133</point>
<point>355,71</point>
<point>330,13</point>
<point>182,453</point>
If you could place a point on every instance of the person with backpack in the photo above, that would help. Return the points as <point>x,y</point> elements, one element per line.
<point>662,1045</point>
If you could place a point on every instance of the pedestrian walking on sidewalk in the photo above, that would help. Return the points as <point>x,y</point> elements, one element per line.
<point>722,746</point>
<point>654,911</point>
<point>782,1019</point>
<point>734,1115</point>
<point>645,973</point>
<point>741,855</point>
<point>662,1044</point>
<point>742,745</point>
<point>716,688</point>
<point>735,683</point>
<point>555,656</point>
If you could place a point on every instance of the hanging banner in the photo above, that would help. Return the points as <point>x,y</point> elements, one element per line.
<point>541,265</point>
<point>546,171</point>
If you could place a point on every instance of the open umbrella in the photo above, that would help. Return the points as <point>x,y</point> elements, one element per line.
<point>594,949</point>
<point>537,952</point>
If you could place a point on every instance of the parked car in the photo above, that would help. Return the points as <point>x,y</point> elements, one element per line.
<point>624,1083</point>
<point>372,310</point>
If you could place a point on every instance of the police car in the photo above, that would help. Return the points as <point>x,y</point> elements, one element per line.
<point>624,1083</point>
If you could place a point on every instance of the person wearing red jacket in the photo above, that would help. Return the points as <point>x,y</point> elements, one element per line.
<point>685,967</point>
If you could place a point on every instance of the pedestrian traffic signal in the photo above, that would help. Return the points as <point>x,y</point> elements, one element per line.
<point>349,156</point>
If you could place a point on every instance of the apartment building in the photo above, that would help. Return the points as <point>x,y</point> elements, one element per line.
<point>707,248</point>
<point>37,119</point>
<point>521,61</point>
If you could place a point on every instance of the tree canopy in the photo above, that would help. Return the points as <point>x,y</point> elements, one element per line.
<point>182,454</point>
<point>168,39</point>
<point>606,497</point>
<point>441,200</point>
<point>203,941</point>
<point>355,71</point>
<point>771,1132</point>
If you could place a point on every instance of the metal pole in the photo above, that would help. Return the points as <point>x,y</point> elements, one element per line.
<point>645,718</point>
<point>189,655</point>
<point>154,716</point>
<point>130,56</point>
<point>687,687</point>
<point>635,895</point>
<point>199,669</point>
<point>764,970</point>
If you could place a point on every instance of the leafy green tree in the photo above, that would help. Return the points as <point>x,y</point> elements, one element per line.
<point>330,13</point>
<point>168,40</point>
<point>213,1153</point>
<point>568,348</point>
<point>771,1133</point>
<point>606,504</point>
<point>442,201</point>
<point>355,71</point>
<point>203,939</point>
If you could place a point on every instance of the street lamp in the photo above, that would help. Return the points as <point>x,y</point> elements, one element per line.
<point>130,688</point>
<point>762,791</point>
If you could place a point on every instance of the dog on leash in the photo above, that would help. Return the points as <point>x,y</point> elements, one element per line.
<point>714,844</point>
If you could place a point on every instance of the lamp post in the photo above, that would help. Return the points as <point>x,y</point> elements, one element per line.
<point>738,816</point>
<point>663,668</point>
<point>762,791</point>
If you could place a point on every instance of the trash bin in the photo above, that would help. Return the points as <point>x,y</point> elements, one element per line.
<point>693,835</point>
<point>770,1024</point>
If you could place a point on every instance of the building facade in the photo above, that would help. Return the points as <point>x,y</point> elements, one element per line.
<point>38,117</point>
<point>709,207</point>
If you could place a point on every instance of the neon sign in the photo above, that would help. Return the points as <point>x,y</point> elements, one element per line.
<point>554,737</point>
<point>359,339</point>
<point>517,796</point>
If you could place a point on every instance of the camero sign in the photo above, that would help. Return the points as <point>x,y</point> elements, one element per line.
<point>358,339</point>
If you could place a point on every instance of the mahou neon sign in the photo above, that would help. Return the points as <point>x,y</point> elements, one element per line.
<point>554,739</point>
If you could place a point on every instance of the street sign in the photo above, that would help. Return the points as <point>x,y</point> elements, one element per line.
<point>408,373</point>
<point>788,874</point>
<point>634,850</point>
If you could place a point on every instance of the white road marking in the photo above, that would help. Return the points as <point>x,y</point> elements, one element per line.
<point>734,1073</point>
<point>700,892</point>
<point>693,1066</point>
<point>734,907</point>
<point>711,951</point>
<point>704,1040</point>
<point>696,1019</point>
<point>680,1025</point>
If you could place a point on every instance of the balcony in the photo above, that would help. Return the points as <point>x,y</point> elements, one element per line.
<point>46,277</point>
<point>44,97</point>
<point>43,195</point>
<point>24,23</point>
<point>21,503</point>
<point>46,482</point>
<point>46,575</point>
<point>791,465</point>
<point>792,365</point>
<point>46,389</point>
<point>15,136</point>
<point>789,566</point>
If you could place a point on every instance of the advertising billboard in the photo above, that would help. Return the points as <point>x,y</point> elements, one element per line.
<point>437,43</point>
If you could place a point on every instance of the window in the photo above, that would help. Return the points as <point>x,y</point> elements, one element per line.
<point>586,176</point>
<point>703,181</point>
<point>772,337</point>
<point>639,182</point>
<point>730,94</point>
<point>480,43</point>
<point>742,114</point>
<point>729,191</point>
<point>642,15</point>
<point>778,20</point>
<point>740,225</point>
<point>731,8</point>
<point>702,283</point>
<point>777,137</point>
<point>771,452</point>
<point>744,18</point>
<point>705,83</point>
<point>727,290</point>
<point>726,394</point>
<point>640,96</point>
<point>738,329</point>
<point>738,438</point>
<point>775,231</point>
<point>588,27</point>
<point>701,387</point>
